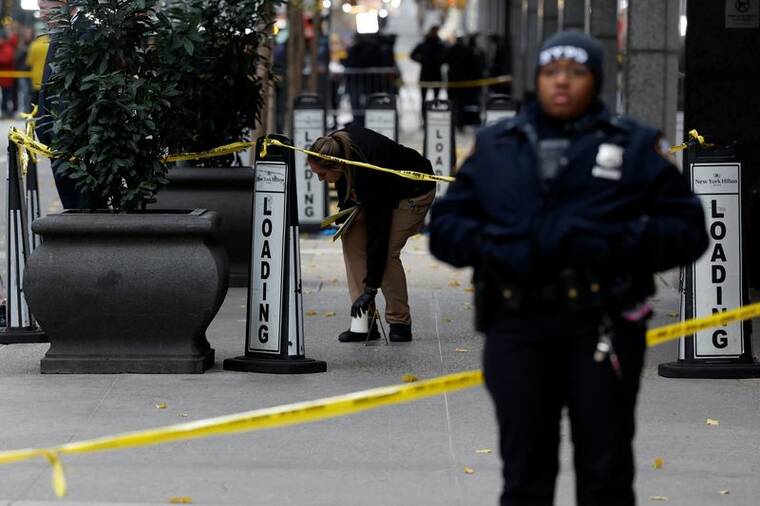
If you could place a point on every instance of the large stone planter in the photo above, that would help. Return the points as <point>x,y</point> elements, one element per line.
<point>229,192</point>
<point>127,293</point>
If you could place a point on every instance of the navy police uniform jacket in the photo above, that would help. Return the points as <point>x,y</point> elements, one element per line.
<point>616,203</point>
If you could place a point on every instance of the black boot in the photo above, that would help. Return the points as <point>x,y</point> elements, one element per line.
<point>358,337</point>
<point>400,333</point>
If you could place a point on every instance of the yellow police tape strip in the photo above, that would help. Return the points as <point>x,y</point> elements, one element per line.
<point>331,407</point>
<point>227,149</point>
<point>474,83</point>
<point>278,416</point>
<point>408,174</point>
<point>16,74</point>
<point>661,335</point>
<point>695,137</point>
<point>33,146</point>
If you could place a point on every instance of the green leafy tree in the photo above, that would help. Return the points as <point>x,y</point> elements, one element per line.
<point>216,51</point>
<point>110,91</point>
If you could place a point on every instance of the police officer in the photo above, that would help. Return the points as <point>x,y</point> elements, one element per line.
<point>389,210</point>
<point>566,213</point>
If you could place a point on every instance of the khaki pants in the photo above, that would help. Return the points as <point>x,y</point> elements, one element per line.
<point>407,221</point>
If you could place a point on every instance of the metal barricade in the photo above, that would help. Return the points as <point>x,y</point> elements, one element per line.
<point>358,83</point>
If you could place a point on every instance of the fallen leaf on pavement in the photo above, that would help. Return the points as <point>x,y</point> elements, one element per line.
<point>725,492</point>
<point>329,314</point>
<point>673,314</point>
<point>657,498</point>
<point>182,415</point>
<point>712,422</point>
<point>161,405</point>
<point>466,305</point>
<point>409,378</point>
<point>469,289</point>
<point>461,350</point>
<point>454,283</point>
<point>447,320</point>
<point>311,312</point>
<point>484,451</point>
<point>180,500</point>
<point>469,470</point>
<point>658,463</point>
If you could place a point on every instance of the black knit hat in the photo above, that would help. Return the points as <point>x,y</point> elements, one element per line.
<point>576,46</point>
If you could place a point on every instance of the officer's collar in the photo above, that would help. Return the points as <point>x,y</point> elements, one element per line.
<point>597,116</point>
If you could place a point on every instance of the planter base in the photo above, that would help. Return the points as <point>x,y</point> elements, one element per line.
<point>110,364</point>
<point>275,365</point>
<point>20,336</point>
<point>712,371</point>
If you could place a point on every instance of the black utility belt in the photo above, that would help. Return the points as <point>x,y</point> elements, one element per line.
<point>572,290</point>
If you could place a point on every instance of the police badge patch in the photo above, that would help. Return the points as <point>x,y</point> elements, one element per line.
<point>609,159</point>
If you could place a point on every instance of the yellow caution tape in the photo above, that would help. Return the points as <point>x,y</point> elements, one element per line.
<point>661,335</point>
<point>30,144</point>
<point>33,146</point>
<point>408,174</point>
<point>227,149</point>
<point>16,74</point>
<point>278,416</point>
<point>695,137</point>
<point>474,83</point>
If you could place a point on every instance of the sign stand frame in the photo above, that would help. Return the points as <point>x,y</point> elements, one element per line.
<point>381,102</point>
<point>276,236</point>
<point>20,324</point>
<point>689,365</point>
<point>499,106</point>
<point>309,102</point>
<point>434,106</point>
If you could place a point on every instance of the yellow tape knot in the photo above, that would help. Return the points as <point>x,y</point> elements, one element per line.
<point>59,478</point>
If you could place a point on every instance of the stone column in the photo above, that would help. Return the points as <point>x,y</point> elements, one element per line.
<point>572,14</point>
<point>548,22</point>
<point>519,45</point>
<point>650,69</point>
<point>530,14</point>
<point>601,22</point>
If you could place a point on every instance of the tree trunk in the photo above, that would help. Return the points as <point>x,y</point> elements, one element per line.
<point>295,55</point>
<point>313,85</point>
<point>265,52</point>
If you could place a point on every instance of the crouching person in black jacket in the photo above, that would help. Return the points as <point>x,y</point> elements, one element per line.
<point>389,210</point>
<point>566,213</point>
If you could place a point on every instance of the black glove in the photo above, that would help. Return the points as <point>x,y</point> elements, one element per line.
<point>363,301</point>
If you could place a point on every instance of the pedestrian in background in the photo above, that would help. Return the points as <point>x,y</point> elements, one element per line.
<point>566,213</point>
<point>36,56</point>
<point>461,62</point>
<point>389,210</point>
<point>429,54</point>
<point>8,44</point>
<point>71,196</point>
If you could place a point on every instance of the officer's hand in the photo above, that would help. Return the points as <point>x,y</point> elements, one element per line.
<point>587,249</point>
<point>363,301</point>
<point>595,242</point>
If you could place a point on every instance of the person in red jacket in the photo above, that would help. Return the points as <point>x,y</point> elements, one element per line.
<point>8,43</point>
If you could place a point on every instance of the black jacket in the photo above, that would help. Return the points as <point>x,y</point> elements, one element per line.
<point>635,219</point>
<point>430,54</point>
<point>379,193</point>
